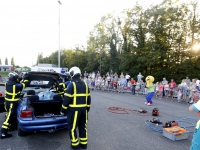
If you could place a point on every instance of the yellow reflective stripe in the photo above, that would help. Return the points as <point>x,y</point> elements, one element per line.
<point>88,105</point>
<point>74,85</point>
<point>69,95</point>
<point>6,123</point>
<point>83,139</point>
<point>74,126</point>
<point>74,141</point>
<point>8,115</point>
<point>24,84</point>
<point>60,93</point>
<point>64,107</point>
<point>72,95</point>
<point>75,144</point>
<point>5,127</point>
<point>11,93</point>
<point>5,106</point>
<point>64,86</point>
<point>14,87</point>
<point>83,142</point>
<point>82,94</point>
<point>78,105</point>
<point>11,100</point>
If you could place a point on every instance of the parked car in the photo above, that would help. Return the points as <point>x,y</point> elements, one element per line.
<point>39,107</point>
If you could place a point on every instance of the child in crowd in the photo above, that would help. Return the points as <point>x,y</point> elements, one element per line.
<point>195,97</point>
<point>92,84</point>
<point>128,85</point>
<point>179,93</point>
<point>143,89</point>
<point>184,89</point>
<point>156,89</point>
<point>88,82</point>
<point>190,91</point>
<point>137,87</point>
<point>119,85</point>
<point>103,84</point>
<point>114,85</point>
<point>96,84</point>
<point>106,84</point>
<point>160,89</point>
<point>166,88</point>
<point>172,86</point>
<point>111,86</point>
<point>124,82</point>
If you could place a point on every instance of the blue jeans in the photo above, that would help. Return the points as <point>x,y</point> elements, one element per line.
<point>198,88</point>
<point>196,140</point>
<point>133,89</point>
<point>149,97</point>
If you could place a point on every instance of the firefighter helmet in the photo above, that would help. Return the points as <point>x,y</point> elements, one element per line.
<point>13,76</point>
<point>74,71</point>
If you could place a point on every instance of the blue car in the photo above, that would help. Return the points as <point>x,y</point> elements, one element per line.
<point>39,106</point>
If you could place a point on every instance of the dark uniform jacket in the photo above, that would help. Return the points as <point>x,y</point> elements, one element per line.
<point>77,96</point>
<point>13,90</point>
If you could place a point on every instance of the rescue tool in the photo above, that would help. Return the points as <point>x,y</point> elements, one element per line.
<point>140,112</point>
<point>173,130</point>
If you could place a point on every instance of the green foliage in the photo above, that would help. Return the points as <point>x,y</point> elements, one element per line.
<point>4,73</point>
<point>154,41</point>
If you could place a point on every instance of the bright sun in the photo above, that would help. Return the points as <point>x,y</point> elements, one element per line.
<point>196,47</point>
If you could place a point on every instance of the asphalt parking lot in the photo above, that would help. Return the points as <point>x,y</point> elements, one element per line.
<point>109,131</point>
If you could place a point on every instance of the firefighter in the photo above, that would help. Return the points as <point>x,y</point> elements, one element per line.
<point>13,88</point>
<point>76,105</point>
<point>60,87</point>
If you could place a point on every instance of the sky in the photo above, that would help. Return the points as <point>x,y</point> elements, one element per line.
<point>30,27</point>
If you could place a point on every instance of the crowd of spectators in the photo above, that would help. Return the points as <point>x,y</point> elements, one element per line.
<point>186,91</point>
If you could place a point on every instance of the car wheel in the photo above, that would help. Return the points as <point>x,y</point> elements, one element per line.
<point>20,132</point>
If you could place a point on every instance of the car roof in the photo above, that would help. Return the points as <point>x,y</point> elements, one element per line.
<point>43,76</point>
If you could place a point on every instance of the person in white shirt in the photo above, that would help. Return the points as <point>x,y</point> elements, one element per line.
<point>197,83</point>
<point>127,77</point>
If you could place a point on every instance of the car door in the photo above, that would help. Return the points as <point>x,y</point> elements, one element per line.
<point>2,109</point>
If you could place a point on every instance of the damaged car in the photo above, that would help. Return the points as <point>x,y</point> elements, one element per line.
<point>39,105</point>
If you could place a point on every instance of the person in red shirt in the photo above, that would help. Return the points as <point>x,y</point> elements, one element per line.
<point>172,86</point>
<point>133,83</point>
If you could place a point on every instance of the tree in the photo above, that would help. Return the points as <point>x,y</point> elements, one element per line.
<point>40,58</point>
<point>12,62</point>
<point>0,61</point>
<point>6,61</point>
<point>154,41</point>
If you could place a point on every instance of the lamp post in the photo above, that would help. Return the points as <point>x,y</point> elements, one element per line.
<point>59,3</point>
